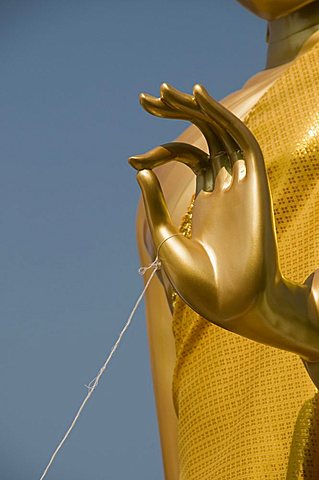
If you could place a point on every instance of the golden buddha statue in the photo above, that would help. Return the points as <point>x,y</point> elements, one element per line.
<point>229,352</point>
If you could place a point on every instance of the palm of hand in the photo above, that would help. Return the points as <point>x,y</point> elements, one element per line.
<point>232,257</point>
<point>229,224</point>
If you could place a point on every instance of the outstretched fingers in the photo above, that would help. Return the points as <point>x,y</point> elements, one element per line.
<point>175,104</point>
<point>187,104</point>
<point>156,107</point>
<point>244,139</point>
<point>175,98</point>
<point>229,141</point>
<point>181,106</point>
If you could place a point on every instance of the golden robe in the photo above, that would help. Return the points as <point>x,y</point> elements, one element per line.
<point>247,411</point>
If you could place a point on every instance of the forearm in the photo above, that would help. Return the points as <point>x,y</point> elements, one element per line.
<point>286,317</point>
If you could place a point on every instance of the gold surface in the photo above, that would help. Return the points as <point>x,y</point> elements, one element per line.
<point>272,9</point>
<point>178,184</point>
<point>287,34</point>
<point>238,401</point>
<point>228,272</point>
<point>243,429</point>
<point>304,453</point>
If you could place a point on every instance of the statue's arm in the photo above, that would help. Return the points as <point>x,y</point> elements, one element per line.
<point>162,354</point>
<point>228,272</point>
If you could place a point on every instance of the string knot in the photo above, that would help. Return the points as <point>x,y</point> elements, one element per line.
<point>155,265</point>
<point>92,385</point>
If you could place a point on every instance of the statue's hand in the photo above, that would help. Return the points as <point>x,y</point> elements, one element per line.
<point>228,271</point>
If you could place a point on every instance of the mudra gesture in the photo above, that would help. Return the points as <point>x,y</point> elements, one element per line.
<point>228,272</point>
<point>230,406</point>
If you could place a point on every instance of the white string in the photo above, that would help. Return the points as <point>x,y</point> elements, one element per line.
<point>156,265</point>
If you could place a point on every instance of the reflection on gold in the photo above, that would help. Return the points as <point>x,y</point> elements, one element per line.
<point>238,400</point>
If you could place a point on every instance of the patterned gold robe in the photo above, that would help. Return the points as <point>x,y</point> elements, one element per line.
<point>248,411</point>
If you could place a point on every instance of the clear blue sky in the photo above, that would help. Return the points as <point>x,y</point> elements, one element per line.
<point>71,72</point>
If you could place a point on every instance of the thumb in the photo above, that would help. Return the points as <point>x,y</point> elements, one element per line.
<point>185,261</point>
<point>157,214</point>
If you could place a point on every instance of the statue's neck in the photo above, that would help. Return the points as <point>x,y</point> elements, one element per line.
<point>286,35</point>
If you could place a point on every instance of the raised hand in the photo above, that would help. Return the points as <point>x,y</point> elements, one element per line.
<point>228,271</point>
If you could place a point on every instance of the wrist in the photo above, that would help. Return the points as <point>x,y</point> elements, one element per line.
<point>312,282</point>
<point>283,316</point>
<point>294,309</point>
